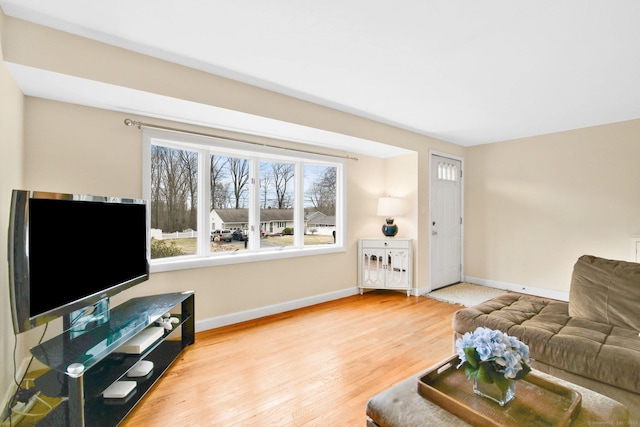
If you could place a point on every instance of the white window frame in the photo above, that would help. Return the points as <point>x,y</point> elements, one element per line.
<point>204,145</point>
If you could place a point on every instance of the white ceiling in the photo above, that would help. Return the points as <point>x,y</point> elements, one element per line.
<point>467,71</point>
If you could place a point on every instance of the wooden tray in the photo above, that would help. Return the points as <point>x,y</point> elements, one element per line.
<point>538,402</point>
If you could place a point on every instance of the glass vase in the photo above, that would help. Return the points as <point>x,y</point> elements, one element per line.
<point>492,392</point>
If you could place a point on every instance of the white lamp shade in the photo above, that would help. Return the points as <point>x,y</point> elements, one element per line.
<point>390,206</point>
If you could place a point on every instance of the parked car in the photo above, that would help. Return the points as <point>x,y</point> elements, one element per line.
<point>240,236</point>
<point>224,235</point>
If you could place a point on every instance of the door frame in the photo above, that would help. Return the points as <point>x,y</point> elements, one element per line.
<point>461,160</point>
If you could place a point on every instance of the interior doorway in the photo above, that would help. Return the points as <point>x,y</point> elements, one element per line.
<point>445,216</point>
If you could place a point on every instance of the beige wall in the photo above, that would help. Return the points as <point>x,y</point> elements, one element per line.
<point>77,149</point>
<point>11,160</point>
<point>531,206</point>
<point>534,205</point>
<point>37,46</point>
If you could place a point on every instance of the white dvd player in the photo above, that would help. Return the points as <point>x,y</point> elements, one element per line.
<point>140,369</point>
<point>140,342</point>
<point>119,390</point>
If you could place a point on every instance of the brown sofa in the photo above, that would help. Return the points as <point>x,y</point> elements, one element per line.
<point>593,340</point>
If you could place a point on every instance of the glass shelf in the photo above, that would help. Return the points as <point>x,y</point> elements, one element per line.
<point>125,321</point>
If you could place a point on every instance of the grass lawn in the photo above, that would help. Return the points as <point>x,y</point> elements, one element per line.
<point>188,246</point>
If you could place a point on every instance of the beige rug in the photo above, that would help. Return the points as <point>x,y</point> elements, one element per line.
<point>465,294</point>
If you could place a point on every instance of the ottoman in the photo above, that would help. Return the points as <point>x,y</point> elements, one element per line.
<point>402,406</point>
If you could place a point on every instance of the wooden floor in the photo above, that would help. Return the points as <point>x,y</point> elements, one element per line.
<point>309,367</point>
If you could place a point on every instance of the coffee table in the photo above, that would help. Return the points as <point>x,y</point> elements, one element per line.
<point>402,406</point>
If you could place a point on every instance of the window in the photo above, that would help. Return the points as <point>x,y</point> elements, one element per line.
<point>320,190</point>
<point>447,171</point>
<point>214,201</point>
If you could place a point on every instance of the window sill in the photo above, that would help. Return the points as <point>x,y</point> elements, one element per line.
<point>186,263</point>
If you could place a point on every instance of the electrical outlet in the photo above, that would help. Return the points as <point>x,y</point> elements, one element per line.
<point>25,394</point>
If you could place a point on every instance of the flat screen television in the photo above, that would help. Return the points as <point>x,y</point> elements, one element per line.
<point>68,253</point>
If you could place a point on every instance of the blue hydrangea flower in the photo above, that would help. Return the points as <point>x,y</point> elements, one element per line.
<point>503,354</point>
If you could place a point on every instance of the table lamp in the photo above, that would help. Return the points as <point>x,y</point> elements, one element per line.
<point>389,207</point>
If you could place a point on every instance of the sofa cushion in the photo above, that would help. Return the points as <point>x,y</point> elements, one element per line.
<point>606,291</point>
<point>583,347</point>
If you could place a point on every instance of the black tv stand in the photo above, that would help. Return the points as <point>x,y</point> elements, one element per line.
<point>83,366</point>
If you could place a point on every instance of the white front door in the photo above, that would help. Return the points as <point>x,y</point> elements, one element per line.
<point>446,221</point>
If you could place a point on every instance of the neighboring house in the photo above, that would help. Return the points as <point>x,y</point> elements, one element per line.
<point>229,219</point>
<point>318,223</point>
<point>272,221</point>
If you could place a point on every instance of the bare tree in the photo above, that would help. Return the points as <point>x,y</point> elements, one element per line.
<point>189,161</point>
<point>239,172</point>
<point>171,192</point>
<point>265,186</point>
<point>156,179</point>
<point>219,196</point>
<point>322,194</point>
<point>282,174</point>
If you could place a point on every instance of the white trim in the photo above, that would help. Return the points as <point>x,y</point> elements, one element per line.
<point>256,313</point>
<point>188,262</point>
<point>540,292</point>
<point>462,177</point>
<point>204,187</point>
<point>298,214</point>
<point>422,290</point>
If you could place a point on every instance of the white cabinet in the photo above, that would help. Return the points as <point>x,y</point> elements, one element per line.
<point>385,263</point>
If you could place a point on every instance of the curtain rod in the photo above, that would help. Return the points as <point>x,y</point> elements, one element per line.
<point>140,125</point>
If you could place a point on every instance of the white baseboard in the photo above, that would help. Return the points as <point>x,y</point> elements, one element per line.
<point>22,369</point>
<point>421,291</point>
<point>256,313</point>
<point>541,292</point>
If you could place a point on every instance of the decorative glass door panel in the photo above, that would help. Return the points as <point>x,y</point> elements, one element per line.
<point>397,268</point>
<point>374,268</point>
